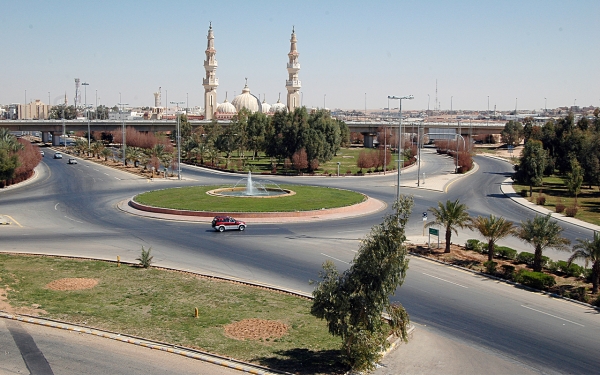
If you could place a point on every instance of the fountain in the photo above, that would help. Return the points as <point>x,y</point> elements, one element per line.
<point>253,189</point>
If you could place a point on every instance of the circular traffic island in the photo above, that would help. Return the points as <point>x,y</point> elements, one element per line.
<point>297,201</point>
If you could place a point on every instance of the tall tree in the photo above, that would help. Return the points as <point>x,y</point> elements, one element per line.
<point>532,163</point>
<point>255,132</point>
<point>589,251</point>
<point>542,233</point>
<point>493,228</point>
<point>451,216</point>
<point>352,303</point>
<point>512,133</point>
<point>574,179</point>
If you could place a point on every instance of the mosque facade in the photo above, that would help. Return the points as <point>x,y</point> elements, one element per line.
<point>226,110</point>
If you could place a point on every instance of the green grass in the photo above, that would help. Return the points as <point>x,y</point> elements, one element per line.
<point>195,199</point>
<point>159,305</point>
<point>555,191</point>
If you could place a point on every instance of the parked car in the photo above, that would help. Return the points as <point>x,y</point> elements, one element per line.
<point>72,161</point>
<point>58,155</point>
<point>223,223</point>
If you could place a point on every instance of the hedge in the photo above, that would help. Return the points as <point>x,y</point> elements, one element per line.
<point>538,280</point>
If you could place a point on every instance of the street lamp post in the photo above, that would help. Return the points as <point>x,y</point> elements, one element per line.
<point>393,97</point>
<point>85,85</point>
<point>123,130</point>
<point>178,135</point>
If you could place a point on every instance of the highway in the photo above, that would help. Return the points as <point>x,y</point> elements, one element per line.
<point>71,210</point>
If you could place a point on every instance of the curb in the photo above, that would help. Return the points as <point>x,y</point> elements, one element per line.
<point>156,345</point>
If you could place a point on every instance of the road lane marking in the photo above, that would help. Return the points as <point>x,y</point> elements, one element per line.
<point>13,220</point>
<point>106,173</point>
<point>77,221</point>
<point>439,278</point>
<point>339,260</point>
<point>56,207</point>
<point>554,316</point>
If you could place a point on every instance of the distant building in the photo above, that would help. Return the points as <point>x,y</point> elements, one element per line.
<point>33,111</point>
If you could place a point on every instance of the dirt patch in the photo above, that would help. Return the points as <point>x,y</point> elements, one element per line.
<point>256,329</point>
<point>27,310</point>
<point>76,283</point>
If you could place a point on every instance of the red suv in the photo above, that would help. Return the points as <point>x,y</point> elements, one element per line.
<point>223,223</point>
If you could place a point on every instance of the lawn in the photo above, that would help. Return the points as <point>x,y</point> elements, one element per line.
<point>159,305</point>
<point>555,191</point>
<point>195,199</point>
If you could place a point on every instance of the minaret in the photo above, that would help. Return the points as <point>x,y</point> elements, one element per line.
<point>293,84</point>
<point>210,82</point>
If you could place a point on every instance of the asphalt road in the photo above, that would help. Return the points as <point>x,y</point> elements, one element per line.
<point>71,210</point>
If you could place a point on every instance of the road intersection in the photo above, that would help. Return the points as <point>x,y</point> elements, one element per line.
<point>70,205</point>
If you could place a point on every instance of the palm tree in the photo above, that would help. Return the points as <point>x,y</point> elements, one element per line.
<point>106,152</point>
<point>542,234</point>
<point>8,141</point>
<point>451,216</point>
<point>589,251</point>
<point>97,148</point>
<point>493,228</point>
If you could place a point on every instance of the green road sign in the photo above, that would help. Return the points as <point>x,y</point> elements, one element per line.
<point>434,231</point>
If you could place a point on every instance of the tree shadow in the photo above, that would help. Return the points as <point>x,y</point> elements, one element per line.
<point>305,361</point>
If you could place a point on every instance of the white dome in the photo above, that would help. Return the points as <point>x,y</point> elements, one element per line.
<point>265,107</point>
<point>278,107</point>
<point>246,100</point>
<point>226,107</point>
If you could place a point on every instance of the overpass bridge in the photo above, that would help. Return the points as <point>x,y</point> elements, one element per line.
<point>435,130</point>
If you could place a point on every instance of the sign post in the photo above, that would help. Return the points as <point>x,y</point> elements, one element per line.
<point>435,232</point>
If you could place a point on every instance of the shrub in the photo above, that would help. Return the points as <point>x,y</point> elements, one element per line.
<point>524,193</point>
<point>560,208</point>
<point>145,258</point>
<point>587,274</point>
<point>505,252</point>
<point>541,200</point>
<point>538,280</point>
<point>525,257</point>
<point>573,270</point>
<point>596,302</point>
<point>508,271</point>
<point>473,244</point>
<point>571,211</point>
<point>490,267</point>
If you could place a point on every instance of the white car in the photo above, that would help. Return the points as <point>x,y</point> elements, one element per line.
<point>58,155</point>
<point>72,161</point>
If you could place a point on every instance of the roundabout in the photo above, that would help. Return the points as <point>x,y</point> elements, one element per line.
<point>297,204</point>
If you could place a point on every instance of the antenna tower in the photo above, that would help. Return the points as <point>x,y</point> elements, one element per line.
<point>436,101</point>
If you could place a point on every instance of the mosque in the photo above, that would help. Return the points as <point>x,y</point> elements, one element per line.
<point>226,110</point>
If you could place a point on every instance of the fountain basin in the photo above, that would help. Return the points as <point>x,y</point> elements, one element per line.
<point>241,192</point>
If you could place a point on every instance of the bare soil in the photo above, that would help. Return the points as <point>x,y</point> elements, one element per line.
<point>256,329</point>
<point>77,283</point>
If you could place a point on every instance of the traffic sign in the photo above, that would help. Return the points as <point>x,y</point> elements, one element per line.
<point>434,231</point>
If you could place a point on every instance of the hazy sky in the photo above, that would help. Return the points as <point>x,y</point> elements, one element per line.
<point>516,52</point>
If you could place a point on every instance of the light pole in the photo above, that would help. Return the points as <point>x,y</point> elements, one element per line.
<point>85,85</point>
<point>545,105</point>
<point>123,129</point>
<point>451,104</point>
<point>419,153</point>
<point>96,110</point>
<point>178,141</point>
<point>324,97</point>
<point>408,97</point>
<point>428,99</point>
<point>488,112</point>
